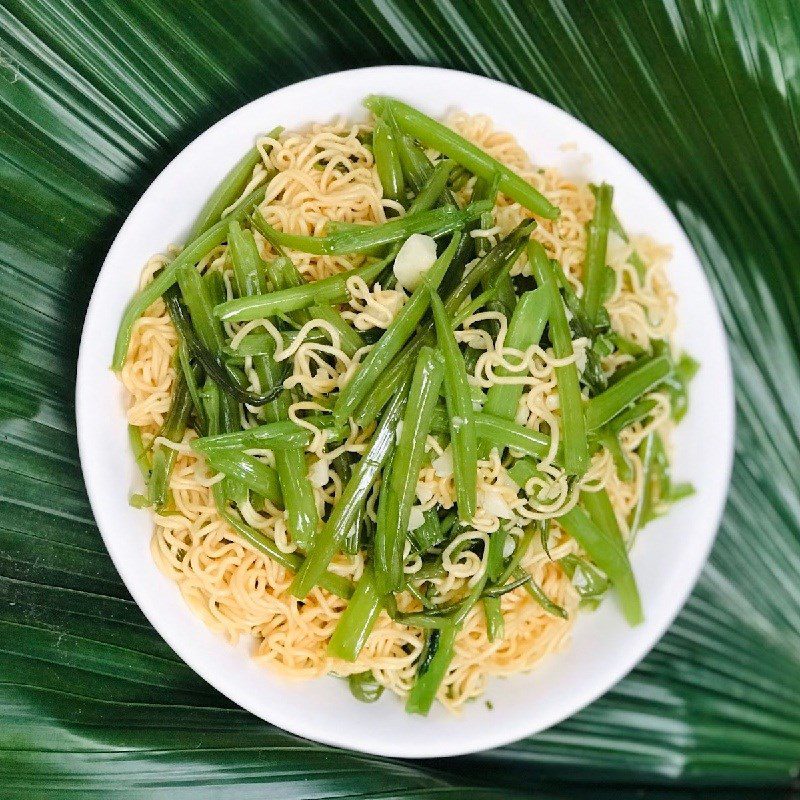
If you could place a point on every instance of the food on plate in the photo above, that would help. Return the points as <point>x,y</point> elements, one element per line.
<point>402,403</point>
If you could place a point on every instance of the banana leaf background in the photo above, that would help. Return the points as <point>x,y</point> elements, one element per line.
<point>96,97</point>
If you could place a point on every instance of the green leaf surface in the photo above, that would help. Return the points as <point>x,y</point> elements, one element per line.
<point>95,98</point>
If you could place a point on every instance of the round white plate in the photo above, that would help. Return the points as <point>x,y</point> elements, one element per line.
<point>667,558</point>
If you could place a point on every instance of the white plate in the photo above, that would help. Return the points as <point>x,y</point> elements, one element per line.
<point>667,558</point>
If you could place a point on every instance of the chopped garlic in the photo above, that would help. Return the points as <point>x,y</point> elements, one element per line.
<point>414,259</point>
<point>318,474</point>
<point>443,465</point>
<point>493,502</point>
<point>424,492</point>
<point>509,545</point>
<point>416,518</point>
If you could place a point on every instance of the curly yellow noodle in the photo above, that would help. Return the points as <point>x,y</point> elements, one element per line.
<point>325,173</point>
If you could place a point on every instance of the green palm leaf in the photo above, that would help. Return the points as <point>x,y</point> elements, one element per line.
<point>95,99</point>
